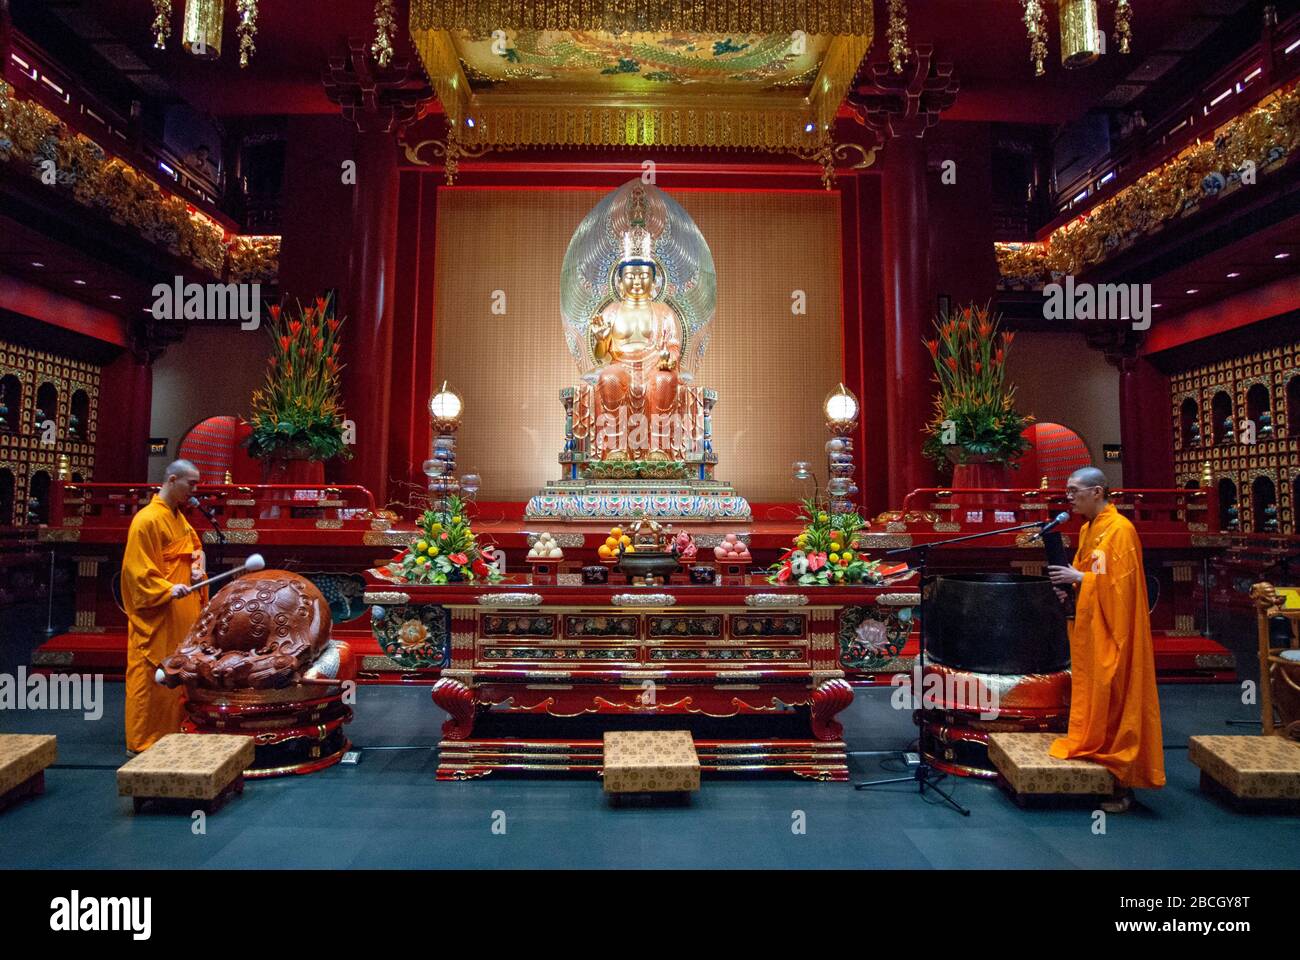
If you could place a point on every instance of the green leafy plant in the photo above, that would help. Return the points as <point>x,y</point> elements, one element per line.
<point>974,411</point>
<point>296,413</point>
<point>446,551</point>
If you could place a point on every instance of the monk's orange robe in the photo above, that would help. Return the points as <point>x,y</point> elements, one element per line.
<point>160,548</point>
<point>1114,709</point>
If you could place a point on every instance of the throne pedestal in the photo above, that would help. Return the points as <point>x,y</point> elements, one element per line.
<point>596,489</point>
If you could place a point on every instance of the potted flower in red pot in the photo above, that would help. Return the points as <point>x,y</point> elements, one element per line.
<point>296,419</point>
<point>975,426</point>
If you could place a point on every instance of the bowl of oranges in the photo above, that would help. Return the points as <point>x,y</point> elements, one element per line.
<point>616,542</point>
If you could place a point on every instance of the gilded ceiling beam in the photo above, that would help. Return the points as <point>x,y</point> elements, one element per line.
<point>699,16</point>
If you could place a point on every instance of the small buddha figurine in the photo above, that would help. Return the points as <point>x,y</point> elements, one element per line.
<point>637,340</point>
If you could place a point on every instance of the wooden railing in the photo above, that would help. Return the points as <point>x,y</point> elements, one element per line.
<point>1152,510</point>
<point>281,507</point>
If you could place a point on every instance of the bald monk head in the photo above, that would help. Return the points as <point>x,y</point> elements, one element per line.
<point>179,483</point>
<point>1088,491</point>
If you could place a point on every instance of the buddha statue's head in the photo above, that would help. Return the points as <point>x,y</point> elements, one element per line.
<point>635,279</point>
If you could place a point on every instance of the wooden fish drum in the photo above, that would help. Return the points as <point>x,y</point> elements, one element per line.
<point>997,660</point>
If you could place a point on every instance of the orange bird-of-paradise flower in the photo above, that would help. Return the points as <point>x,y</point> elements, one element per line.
<point>934,347</point>
<point>275,311</point>
<point>284,343</point>
<point>320,304</point>
<point>294,327</point>
<point>952,364</point>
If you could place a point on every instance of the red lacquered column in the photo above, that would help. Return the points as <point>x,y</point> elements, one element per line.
<point>1145,427</point>
<point>125,407</point>
<point>905,233</point>
<point>368,302</point>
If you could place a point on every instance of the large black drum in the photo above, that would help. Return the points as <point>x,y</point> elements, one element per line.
<point>1001,623</point>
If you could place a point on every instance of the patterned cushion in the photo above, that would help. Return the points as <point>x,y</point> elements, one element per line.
<point>1263,768</point>
<point>24,755</point>
<point>1022,758</point>
<point>651,761</point>
<point>193,766</point>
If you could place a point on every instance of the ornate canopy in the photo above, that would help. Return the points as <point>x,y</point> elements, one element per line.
<point>759,74</point>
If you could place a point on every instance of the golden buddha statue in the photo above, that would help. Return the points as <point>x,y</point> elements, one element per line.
<point>637,341</point>
<point>638,294</point>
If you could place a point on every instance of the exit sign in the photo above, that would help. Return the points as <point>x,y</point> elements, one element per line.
<point>1112,452</point>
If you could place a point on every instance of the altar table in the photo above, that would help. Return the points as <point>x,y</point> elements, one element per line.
<point>570,650</point>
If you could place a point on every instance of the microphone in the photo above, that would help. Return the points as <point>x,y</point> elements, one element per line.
<point>1052,542</point>
<point>1056,521</point>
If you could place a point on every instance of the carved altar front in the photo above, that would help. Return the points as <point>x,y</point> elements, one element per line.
<point>669,655</point>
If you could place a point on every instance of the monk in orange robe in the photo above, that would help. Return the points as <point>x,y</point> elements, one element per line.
<point>163,557</point>
<point>1114,709</point>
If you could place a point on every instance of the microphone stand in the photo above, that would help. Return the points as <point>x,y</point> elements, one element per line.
<point>218,552</point>
<point>922,775</point>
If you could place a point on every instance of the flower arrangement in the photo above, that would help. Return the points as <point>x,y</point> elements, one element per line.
<point>974,412</point>
<point>447,550</point>
<point>296,415</point>
<point>825,551</point>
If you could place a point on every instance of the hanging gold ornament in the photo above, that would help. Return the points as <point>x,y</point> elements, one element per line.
<point>162,22</point>
<point>246,11</point>
<point>201,28</point>
<point>385,27</point>
<point>1080,33</point>
<point>1036,23</point>
<point>1123,25</point>
<point>897,34</point>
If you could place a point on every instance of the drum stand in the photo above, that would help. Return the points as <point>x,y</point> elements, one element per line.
<point>925,776</point>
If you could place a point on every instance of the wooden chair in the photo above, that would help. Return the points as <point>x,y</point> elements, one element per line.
<point>1273,669</point>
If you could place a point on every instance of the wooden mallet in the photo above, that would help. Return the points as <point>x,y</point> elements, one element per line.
<point>254,562</point>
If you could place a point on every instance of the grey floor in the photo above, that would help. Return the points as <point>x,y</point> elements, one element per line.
<point>388,811</point>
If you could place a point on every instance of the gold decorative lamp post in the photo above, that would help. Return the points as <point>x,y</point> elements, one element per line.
<point>445,409</point>
<point>841,408</point>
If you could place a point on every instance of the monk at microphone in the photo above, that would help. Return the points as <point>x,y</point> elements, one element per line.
<point>1114,708</point>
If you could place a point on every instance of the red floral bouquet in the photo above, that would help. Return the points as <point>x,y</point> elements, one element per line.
<point>974,412</point>
<point>297,413</point>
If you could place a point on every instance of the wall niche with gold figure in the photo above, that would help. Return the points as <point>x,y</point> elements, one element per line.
<point>1241,415</point>
<point>49,408</point>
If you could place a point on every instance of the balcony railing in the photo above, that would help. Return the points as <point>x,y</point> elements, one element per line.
<point>1271,64</point>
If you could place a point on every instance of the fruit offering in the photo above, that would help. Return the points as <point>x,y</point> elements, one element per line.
<point>732,549</point>
<point>608,551</point>
<point>686,548</point>
<point>545,548</point>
